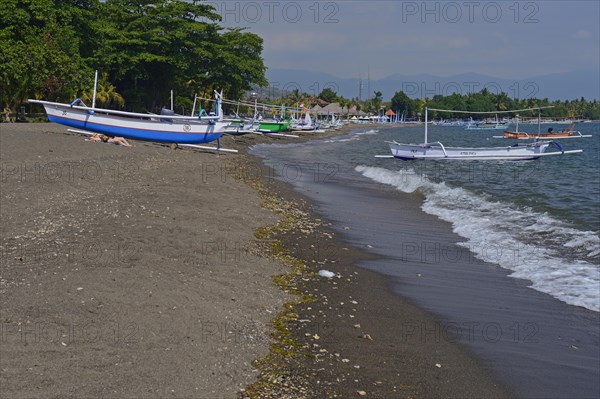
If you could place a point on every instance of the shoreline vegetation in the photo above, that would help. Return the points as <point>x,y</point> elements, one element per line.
<point>215,286</point>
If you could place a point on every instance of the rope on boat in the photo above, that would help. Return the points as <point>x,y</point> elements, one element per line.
<point>489,112</point>
<point>263,105</point>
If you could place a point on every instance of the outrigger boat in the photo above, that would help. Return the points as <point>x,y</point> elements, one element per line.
<point>273,126</point>
<point>305,125</point>
<point>561,134</point>
<point>188,131</point>
<point>487,125</point>
<point>257,124</point>
<point>437,151</point>
<point>522,152</point>
<point>568,133</point>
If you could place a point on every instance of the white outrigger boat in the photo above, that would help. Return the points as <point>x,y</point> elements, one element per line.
<point>487,125</point>
<point>187,131</point>
<point>437,151</point>
<point>305,125</point>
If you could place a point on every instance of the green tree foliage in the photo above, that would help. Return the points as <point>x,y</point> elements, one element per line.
<point>106,94</point>
<point>40,51</point>
<point>403,104</point>
<point>487,101</point>
<point>149,46</point>
<point>146,47</point>
<point>238,62</point>
<point>377,101</point>
<point>328,95</point>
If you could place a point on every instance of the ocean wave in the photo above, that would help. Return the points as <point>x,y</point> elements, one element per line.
<point>558,259</point>
<point>367,133</point>
<point>352,137</point>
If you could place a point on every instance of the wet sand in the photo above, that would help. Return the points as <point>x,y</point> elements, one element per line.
<point>130,272</point>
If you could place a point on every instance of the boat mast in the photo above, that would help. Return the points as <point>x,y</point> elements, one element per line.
<point>425,142</point>
<point>95,87</point>
<point>194,106</point>
<point>539,120</point>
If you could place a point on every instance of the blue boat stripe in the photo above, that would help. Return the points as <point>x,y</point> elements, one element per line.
<point>139,134</point>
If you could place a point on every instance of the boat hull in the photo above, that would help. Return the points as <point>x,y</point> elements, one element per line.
<point>151,128</point>
<point>436,151</point>
<point>521,135</point>
<point>273,127</point>
<point>497,126</point>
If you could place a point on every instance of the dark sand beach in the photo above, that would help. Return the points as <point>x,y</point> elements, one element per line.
<point>134,272</point>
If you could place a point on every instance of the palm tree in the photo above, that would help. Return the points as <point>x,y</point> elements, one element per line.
<point>106,94</point>
<point>344,104</point>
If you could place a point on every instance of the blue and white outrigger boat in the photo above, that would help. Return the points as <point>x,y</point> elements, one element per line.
<point>187,131</point>
<point>437,151</point>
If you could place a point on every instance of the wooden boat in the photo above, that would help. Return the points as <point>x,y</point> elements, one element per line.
<point>149,127</point>
<point>487,126</point>
<point>569,132</point>
<point>240,127</point>
<point>178,129</point>
<point>305,125</point>
<point>494,124</point>
<point>566,133</point>
<point>437,151</point>
<point>273,126</point>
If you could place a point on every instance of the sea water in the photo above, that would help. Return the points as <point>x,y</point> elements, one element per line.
<point>505,251</point>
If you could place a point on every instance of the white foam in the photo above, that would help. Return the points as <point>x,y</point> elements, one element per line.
<point>554,256</point>
<point>367,133</point>
<point>353,137</point>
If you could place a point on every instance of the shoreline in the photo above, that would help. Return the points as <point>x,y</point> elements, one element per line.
<point>352,334</point>
<point>197,319</point>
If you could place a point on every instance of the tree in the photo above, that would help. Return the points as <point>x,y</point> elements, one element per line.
<point>376,101</point>
<point>403,104</point>
<point>344,104</point>
<point>106,94</point>
<point>40,51</point>
<point>328,95</point>
<point>151,47</point>
<point>238,62</point>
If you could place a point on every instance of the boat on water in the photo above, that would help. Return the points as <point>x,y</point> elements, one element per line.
<point>437,150</point>
<point>551,134</point>
<point>568,132</point>
<point>494,124</point>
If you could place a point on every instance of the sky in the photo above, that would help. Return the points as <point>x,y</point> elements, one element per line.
<point>348,39</point>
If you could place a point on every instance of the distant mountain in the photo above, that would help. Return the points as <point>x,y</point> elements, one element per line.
<point>559,86</point>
